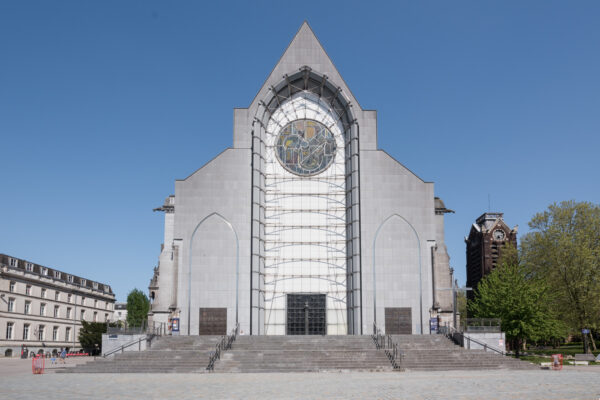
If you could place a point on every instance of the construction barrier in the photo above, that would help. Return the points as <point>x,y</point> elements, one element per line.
<point>557,361</point>
<point>77,354</point>
<point>38,364</point>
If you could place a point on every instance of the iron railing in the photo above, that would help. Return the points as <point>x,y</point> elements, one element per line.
<point>224,344</point>
<point>460,338</point>
<point>384,342</point>
<point>156,328</point>
<point>481,325</point>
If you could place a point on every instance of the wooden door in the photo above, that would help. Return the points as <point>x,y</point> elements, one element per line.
<point>213,321</point>
<point>398,320</point>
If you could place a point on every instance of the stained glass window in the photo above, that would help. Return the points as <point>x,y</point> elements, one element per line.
<point>305,147</point>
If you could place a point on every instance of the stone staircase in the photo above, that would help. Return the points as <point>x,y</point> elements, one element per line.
<point>190,354</point>
<point>438,353</point>
<point>176,354</point>
<point>303,354</point>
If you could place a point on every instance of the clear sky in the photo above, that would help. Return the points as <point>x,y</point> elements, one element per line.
<point>104,104</point>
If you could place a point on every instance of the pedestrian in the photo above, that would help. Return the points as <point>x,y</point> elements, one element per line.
<point>63,355</point>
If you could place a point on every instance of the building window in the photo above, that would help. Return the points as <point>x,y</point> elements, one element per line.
<point>57,274</point>
<point>43,293</point>
<point>82,301</point>
<point>70,278</point>
<point>28,290</point>
<point>41,330</point>
<point>83,282</point>
<point>13,262</point>
<point>57,295</point>
<point>29,267</point>
<point>95,285</point>
<point>27,307</point>
<point>55,334</point>
<point>43,309</point>
<point>82,315</point>
<point>11,287</point>
<point>105,317</point>
<point>11,304</point>
<point>95,316</point>
<point>68,334</point>
<point>26,332</point>
<point>56,311</point>
<point>9,329</point>
<point>69,312</point>
<point>69,298</point>
<point>45,271</point>
<point>95,303</point>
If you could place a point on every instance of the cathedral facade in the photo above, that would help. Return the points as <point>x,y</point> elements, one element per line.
<point>304,226</point>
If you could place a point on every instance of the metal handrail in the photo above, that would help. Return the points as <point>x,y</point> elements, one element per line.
<point>385,342</point>
<point>224,344</point>
<point>449,334</point>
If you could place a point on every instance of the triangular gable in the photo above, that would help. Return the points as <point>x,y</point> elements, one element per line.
<point>304,50</point>
<point>499,223</point>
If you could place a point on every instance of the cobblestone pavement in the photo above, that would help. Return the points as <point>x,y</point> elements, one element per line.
<point>570,383</point>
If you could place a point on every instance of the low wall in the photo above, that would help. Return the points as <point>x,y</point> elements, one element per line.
<point>115,341</point>
<point>495,340</point>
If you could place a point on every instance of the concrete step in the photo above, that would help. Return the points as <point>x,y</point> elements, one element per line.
<point>185,354</point>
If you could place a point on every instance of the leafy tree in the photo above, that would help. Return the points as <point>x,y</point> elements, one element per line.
<point>138,306</point>
<point>90,336</point>
<point>563,249</point>
<point>521,302</point>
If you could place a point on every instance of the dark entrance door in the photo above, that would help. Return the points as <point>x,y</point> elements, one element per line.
<point>213,321</point>
<point>306,314</point>
<point>398,320</point>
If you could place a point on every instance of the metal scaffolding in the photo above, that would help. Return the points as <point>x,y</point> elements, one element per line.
<point>305,229</point>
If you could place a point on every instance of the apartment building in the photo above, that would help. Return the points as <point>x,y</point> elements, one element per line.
<point>42,308</point>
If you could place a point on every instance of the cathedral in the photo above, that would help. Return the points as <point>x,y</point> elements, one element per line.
<point>304,225</point>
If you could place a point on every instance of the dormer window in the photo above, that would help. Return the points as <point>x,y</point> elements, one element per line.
<point>83,282</point>
<point>45,271</point>
<point>57,274</point>
<point>13,262</point>
<point>95,284</point>
<point>29,267</point>
<point>70,278</point>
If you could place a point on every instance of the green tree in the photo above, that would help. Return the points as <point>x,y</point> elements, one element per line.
<point>138,306</point>
<point>90,336</point>
<point>520,301</point>
<point>563,248</point>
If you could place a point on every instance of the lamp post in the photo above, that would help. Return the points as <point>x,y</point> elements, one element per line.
<point>455,289</point>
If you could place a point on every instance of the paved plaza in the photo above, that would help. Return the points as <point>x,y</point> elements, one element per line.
<point>18,382</point>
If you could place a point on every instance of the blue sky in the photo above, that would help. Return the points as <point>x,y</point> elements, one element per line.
<point>104,104</point>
